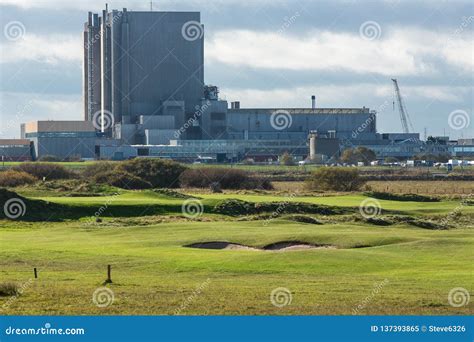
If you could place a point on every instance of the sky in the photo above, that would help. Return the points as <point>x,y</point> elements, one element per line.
<point>267,53</point>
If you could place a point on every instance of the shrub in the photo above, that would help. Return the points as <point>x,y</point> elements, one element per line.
<point>49,158</point>
<point>12,178</point>
<point>287,159</point>
<point>215,187</point>
<point>122,179</point>
<point>335,178</point>
<point>227,178</point>
<point>46,170</point>
<point>358,154</point>
<point>8,289</point>
<point>94,169</point>
<point>160,173</point>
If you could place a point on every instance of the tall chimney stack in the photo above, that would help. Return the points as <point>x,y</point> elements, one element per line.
<point>313,101</point>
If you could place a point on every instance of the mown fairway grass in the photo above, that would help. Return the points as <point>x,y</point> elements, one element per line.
<point>151,199</point>
<point>154,274</point>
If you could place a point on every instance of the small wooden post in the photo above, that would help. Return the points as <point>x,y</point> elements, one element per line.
<point>109,274</point>
<point>35,272</point>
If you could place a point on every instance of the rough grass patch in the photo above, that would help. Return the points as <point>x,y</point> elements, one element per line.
<point>401,197</point>
<point>13,178</point>
<point>8,289</point>
<point>46,171</point>
<point>225,178</point>
<point>302,219</point>
<point>335,179</point>
<point>172,193</point>
<point>160,173</point>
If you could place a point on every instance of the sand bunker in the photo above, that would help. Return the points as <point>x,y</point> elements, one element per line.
<point>221,245</point>
<point>277,246</point>
<point>294,246</point>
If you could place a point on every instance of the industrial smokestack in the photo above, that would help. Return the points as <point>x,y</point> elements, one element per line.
<point>313,101</point>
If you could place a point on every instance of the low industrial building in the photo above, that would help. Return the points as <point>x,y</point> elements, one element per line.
<point>65,140</point>
<point>16,149</point>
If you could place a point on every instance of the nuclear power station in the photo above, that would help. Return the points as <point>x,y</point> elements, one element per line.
<point>145,95</point>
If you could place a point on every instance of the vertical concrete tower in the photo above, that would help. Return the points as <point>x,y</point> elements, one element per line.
<point>143,64</point>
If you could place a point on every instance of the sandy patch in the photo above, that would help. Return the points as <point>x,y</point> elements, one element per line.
<point>276,247</point>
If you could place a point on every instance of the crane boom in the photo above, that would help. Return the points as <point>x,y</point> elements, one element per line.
<point>404,118</point>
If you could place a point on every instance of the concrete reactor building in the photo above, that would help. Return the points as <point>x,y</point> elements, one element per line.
<point>143,72</point>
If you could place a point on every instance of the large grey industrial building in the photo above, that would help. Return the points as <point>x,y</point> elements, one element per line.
<point>139,66</point>
<point>144,95</point>
<point>144,73</point>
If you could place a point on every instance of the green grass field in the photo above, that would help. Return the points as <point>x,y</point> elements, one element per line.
<point>397,269</point>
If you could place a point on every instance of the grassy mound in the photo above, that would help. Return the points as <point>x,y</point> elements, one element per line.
<point>74,188</point>
<point>401,197</point>
<point>172,193</point>
<point>235,207</point>
<point>302,219</point>
<point>16,207</point>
